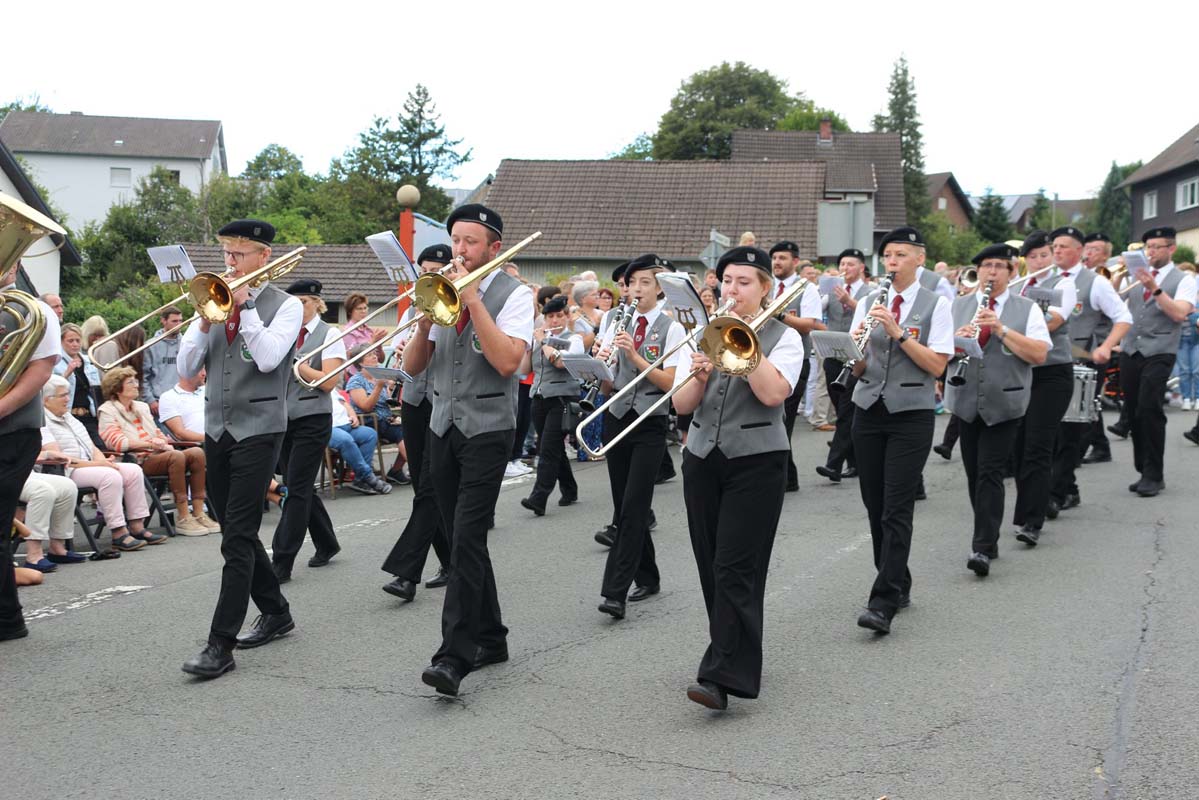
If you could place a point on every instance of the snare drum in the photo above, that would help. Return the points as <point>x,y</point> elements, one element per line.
<point>1083,403</point>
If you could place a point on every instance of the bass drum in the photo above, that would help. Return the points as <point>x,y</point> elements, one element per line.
<point>1083,403</point>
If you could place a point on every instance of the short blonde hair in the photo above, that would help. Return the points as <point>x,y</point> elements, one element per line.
<point>70,327</point>
<point>93,326</point>
<point>114,379</point>
<point>748,239</point>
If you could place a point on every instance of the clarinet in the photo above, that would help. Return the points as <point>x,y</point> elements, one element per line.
<point>868,325</point>
<point>958,377</point>
<point>625,312</point>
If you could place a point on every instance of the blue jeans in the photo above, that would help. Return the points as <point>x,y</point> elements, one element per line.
<point>357,446</point>
<point>1188,369</point>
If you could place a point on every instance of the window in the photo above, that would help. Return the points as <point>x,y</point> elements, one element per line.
<point>120,177</point>
<point>1149,205</point>
<point>942,204</point>
<point>1188,194</point>
<point>174,176</point>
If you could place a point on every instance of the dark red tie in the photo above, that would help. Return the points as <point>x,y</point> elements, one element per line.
<point>300,339</point>
<point>463,320</point>
<point>232,325</point>
<point>1031,283</point>
<point>984,335</point>
<point>779,293</point>
<point>1147,293</point>
<point>639,334</point>
<point>895,304</point>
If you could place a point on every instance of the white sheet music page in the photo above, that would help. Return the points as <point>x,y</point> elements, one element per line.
<point>685,306</point>
<point>392,256</point>
<point>172,263</point>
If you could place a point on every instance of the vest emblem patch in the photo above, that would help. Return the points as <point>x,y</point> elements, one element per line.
<point>245,353</point>
<point>475,344</point>
<point>1077,309</point>
<point>651,352</point>
<point>914,333</point>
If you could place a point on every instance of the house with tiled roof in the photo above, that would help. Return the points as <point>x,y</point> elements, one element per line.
<point>42,263</point>
<point>948,198</point>
<point>90,163</point>
<point>1166,190</point>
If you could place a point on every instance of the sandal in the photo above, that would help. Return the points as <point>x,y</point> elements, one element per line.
<point>128,542</point>
<point>150,538</point>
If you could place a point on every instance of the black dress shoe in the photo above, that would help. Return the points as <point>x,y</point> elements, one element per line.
<point>1118,430</point>
<point>980,564</point>
<point>443,677</point>
<point>403,589</point>
<point>664,478</point>
<point>1097,457</point>
<point>792,486</point>
<point>529,504</point>
<point>1029,535</point>
<point>875,621</point>
<point>606,535</point>
<point>440,579</point>
<point>1071,501</point>
<point>832,474</point>
<point>568,499</point>
<point>643,592</point>
<point>849,472</point>
<point>321,559</point>
<point>486,656</point>
<point>905,601</point>
<point>282,573</point>
<point>612,607</point>
<point>1192,435</point>
<point>14,633</point>
<point>1135,486</point>
<point>1052,510</point>
<point>943,451</point>
<point>1150,488</point>
<point>708,695</point>
<point>213,662</point>
<point>266,628</point>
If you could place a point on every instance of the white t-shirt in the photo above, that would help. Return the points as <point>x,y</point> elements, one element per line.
<point>51,343</point>
<point>340,415</point>
<point>188,406</point>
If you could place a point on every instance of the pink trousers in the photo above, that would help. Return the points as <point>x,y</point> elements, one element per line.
<point>121,492</point>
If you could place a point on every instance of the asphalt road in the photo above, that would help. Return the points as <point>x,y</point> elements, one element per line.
<point>1068,673</point>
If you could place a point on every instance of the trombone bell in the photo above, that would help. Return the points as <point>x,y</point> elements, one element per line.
<point>731,345</point>
<point>211,296</point>
<point>438,298</point>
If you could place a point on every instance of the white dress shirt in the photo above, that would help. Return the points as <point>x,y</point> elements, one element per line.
<point>1187,288</point>
<point>809,300</point>
<point>268,344</point>
<point>1035,327</point>
<point>515,318</point>
<point>674,334</point>
<point>336,350</point>
<point>940,335</point>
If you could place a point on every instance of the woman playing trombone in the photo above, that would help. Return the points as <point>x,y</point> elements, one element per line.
<point>734,476</point>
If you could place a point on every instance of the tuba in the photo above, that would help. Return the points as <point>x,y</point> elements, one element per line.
<point>20,226</point>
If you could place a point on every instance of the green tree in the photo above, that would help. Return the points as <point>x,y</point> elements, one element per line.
<point>711,104</point>
<point>1183,254</point>
<point>990,219</point>
<point>272,162</point>
<point>947,243</point>
<point>640,149</point>
<point>1113,206</point>
<point>806,116</point>
<point>31,103</point>
<point>902,118</point>
<point>1040,216</point>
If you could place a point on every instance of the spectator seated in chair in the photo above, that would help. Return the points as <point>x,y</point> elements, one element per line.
<point>127,426</point>
<point>50,516</point>
<point>356,444</point>
<point>120,487</point>
<point>372,396</point>
<point>82,377</point>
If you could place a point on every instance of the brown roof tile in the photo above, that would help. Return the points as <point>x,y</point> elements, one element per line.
<point>341,268</point>
<point>81,134</point>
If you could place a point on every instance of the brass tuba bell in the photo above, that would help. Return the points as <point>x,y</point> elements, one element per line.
<point>20,227</point>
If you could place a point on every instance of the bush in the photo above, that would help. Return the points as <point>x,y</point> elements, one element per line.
<point>1184,253</point>
<point>131,302</point>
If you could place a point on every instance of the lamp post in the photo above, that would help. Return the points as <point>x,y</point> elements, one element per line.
<point>408,196</point>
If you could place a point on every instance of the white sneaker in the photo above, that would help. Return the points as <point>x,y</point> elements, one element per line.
<point>187,525</point>
<point>208,522</point>
<point>515,469</point>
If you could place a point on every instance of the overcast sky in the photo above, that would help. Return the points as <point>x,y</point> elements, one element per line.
<point>1043,97</point>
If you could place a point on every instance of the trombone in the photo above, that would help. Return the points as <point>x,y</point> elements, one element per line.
<point>434,295</point>
<point>731,344</point>
<point>212,297</point>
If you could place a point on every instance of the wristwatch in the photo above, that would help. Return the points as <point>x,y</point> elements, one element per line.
<point>1156,292</point>
<point>249,304</point>
<point>1002,334</point>
<point>903,337</point>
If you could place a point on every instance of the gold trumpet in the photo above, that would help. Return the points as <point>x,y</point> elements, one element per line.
<point>212,297</point>
<point>434,295</point>
<point>728,341</point>
<point>20,227</point>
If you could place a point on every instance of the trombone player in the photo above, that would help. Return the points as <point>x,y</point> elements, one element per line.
<point>249,362</point>
<point>1013,337</point>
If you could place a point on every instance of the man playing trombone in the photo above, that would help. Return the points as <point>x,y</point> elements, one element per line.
<point>1010,331</point>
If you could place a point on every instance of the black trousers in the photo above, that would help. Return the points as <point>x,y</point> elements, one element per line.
<point>1050,396</point>
<point>553,467</point>
<point>985,453</point>
<point>303,452</point>
<point>790,412</point>
<point>425,526</point>
<point>238,476</point>
<point>632,466</point>
<point>953,429</point>
<point>1072,441</point>
<point>1097,436</point>
<point>466,477</point>
<point>733,508</point>
<point>842,450</point>
<point>891,449</point>
<point>18,453</point>
<point>524,406</point>
<point>1143,380</point>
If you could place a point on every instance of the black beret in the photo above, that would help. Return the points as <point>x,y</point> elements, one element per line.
<point>305,286</point>
<point>647,261</point>
<point>618,273</point>
<point>255,230</point>
<point>1034,241</point>
<point>1001,250</point>
<point>1068,230</point>
<point>476,212</point>
<point>1097,237</point>
<point>852,252</point>
<point>436,253</point>
<point>554,304</point>
<point>785,247</point>
<point>1165,232</point>
<point>905,235</point>
<point>746,256</point>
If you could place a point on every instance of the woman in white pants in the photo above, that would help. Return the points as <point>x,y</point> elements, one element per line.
<point>50,516</point>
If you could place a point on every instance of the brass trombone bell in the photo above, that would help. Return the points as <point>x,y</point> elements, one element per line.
<point>731,345</point>
<point>440,299</point>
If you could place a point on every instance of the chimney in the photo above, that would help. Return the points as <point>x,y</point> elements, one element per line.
<point>826,130</point>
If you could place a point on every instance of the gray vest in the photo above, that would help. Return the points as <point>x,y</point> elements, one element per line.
<point>731,418</point>
<point>840,318</point>
<point>1059,352</point>
<point>302,402</point>
<point>998,386</point>
<point>551,381</point>
<point>240,399</point>
<point>646,394</point>
<point>1152,332</point>
<point>890,374</point>
<point>1085,320</point>
<point>467,391</point>
<point>28,416</point>
<point>929,279</point>
<point>415,391</point>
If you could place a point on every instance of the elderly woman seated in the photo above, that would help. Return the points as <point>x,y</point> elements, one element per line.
<point>50,516</point>
<point>120,487</point>
<point>371,396</point>
<point>127,426</point>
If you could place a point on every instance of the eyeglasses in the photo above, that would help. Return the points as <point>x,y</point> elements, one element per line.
<point>235,256</point>
<point>1157,247</point>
